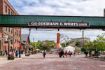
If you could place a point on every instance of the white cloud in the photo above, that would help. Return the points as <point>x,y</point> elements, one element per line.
<point>61,7</point>
<point>37,10</point>
<point>51,35</point>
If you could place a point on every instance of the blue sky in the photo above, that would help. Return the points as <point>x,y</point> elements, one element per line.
<point>60,7</point>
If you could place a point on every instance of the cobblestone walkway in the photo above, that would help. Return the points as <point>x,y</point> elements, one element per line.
<point>53,62</point>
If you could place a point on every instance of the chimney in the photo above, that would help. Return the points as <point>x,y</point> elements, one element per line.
<point>58,40</point>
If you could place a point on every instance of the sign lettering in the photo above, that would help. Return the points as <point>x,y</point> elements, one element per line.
<point>61,24</point>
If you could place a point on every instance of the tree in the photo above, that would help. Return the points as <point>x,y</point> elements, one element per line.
<point>47,45</point>
<point>43,45</point>
<point>100,42</point>
<point>78,44</point>
<point>65,44</point>
<point>97,45</point>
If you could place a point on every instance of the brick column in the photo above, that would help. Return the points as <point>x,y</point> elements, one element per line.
<point>58,41</point>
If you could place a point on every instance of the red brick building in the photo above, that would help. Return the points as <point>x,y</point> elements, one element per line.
<point>14,33</point>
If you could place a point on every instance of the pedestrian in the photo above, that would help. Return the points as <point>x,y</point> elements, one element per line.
<point>70,53</point>
<point>65,53</point>
<point>61,53</point>
<point>86,53</point>
<point>19,53</point>
<point>74,53</point>
<point>6,53</point>
<point>44,54</point>
<point>16,53</point>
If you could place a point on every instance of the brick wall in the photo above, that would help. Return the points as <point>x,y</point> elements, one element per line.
<point>7,30</point>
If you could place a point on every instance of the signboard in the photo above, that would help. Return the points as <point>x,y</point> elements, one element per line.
<point>47,21</point>
<point>58,24</point>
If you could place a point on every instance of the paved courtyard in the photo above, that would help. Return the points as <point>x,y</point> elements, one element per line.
<point>53,62</point>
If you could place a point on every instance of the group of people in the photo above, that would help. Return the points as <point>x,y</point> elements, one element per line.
<point>18,53</point>
<point>63,53</point>
<point>13,53</point>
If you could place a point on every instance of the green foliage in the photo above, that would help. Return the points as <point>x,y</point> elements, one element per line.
<point>77,49</point>
<point>88,46</point>
<point>96,45</point>
<point>43,45</point>
<point>65,44</point>
<point>78,44</point>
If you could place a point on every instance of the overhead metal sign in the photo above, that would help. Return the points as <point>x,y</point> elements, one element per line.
<point>47,21</point>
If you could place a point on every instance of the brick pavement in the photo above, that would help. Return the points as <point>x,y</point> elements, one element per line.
<point>53,62</point>
<point>3,59</point>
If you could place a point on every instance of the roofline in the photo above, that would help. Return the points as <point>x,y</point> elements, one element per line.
<point>8,2</point>
<point>56,16</point>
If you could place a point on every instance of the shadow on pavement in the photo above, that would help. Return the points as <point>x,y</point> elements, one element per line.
<point>41,58</point>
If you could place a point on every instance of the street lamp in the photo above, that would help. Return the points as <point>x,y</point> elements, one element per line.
<point>10,53</point>
<point>82,38</point>
<point>24,46</point>
<point>1,52</point>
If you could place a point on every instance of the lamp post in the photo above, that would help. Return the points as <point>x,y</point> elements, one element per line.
<point>83,38</point>
<point>1,39</point>
<point>24,46</point>
<point>10,52</point>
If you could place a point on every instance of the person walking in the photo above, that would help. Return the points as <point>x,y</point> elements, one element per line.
<point>19,53</point>
<point>16,53</point>
<point>6,53</point>
<point>70,53</point>
<point>61,53</point>
<point>44,54</point>
<point>65,53</point>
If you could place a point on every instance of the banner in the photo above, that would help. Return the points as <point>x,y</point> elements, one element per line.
<point>28,37</point>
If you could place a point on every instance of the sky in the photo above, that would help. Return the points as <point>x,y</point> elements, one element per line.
<point>60,7</point>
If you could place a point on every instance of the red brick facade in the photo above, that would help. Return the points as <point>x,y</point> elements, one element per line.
<point>14,33</point>
<point>58,40</point>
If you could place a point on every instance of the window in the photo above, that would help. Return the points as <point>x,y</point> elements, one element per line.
<point>6,29</point>
<point>0,44</point>
<point>18,33</point>
<point>9,12</point>
<point>9,29</point>
<point>15,41</point>
<point>11,41</point>
<point>0,29</point>
<point>6,8</point>
<point>15,33</point>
